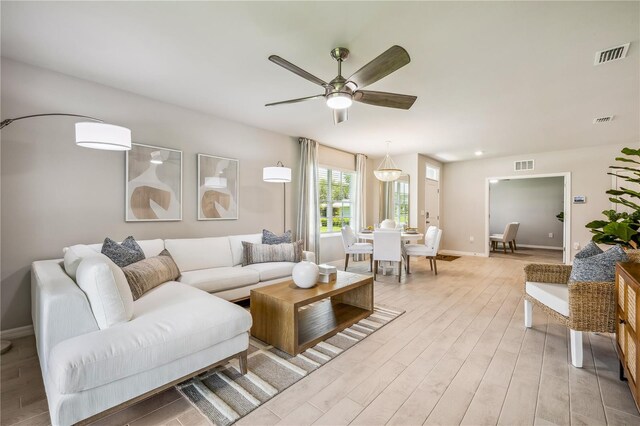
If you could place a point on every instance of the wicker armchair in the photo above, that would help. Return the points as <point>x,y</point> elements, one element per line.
<point>581,306</point>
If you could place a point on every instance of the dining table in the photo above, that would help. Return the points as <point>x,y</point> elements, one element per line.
<point>406,237</point>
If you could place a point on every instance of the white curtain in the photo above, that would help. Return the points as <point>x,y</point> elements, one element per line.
<point>308,224</point>
<point>359,201</point>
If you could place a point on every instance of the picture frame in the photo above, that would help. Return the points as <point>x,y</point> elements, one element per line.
<point>153,179</point>
<point>218,187</point>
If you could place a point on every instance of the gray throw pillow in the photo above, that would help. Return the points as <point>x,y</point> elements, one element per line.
<point>591,249</point>
<point>269,237</point>
<point>148,273</point>
<point>122,254</point>
<point>263,253</point>
<point>600,267</point>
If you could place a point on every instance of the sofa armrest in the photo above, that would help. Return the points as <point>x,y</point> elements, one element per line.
<point>60,308</point>
<point>547,273</point>
<point>309,256</point>
<point>592,306</point>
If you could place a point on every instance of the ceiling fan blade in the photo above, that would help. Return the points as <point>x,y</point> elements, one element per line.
<point>384,99</point>
<point>340,115</point>
<point>293,101</point>
<point>391,60</point>
<point>296,70</point>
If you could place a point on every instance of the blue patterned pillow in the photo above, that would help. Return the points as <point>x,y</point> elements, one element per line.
<point>589,250</point>
<point>600,267</point>
<point>269,237</point>
<point>122,254</point>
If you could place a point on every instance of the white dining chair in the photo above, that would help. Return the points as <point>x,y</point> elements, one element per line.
<point>387,248</point>
<point>508,237</point>
<point>352,246</point>
<point>388,224</point>
<point>429,249</point>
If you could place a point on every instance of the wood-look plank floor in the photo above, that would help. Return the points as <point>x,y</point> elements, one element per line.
<point>459,355</point>
<point>530,255</point>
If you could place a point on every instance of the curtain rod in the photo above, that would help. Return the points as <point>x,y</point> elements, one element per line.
<point>337,149</point>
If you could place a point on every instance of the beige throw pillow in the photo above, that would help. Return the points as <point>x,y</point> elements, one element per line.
<point>262,253</point>
<point>150,272</point>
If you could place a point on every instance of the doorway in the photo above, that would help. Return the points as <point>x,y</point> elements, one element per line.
<point>432,197</point>
<point>535,210</point>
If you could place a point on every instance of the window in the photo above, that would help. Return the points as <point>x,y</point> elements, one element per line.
<point>401,202</point>
<point>335,199</point>
<point>433,173</point>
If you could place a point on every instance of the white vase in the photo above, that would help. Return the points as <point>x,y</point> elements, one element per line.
<point>305,274</point>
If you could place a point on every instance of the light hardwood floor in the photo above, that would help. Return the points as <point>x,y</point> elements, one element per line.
<point>459,355</point>
<point>530,255</point>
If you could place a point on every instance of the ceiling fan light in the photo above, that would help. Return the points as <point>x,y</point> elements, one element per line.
<point>339,100</point>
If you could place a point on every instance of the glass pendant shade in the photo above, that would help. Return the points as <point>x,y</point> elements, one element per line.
<point>276,174</point>
<point>103,136</point>
<point>387,171</point>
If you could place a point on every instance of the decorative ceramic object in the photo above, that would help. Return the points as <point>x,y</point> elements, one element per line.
<point>305,274</point>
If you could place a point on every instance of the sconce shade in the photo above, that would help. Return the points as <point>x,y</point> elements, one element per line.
<point>276,174</point>
<point>103,136</point>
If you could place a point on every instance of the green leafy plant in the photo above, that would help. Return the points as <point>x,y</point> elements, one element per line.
<point>560,216</point>
<point>621,227</point>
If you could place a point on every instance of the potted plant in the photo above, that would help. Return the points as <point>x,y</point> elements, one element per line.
<point>621,227</point>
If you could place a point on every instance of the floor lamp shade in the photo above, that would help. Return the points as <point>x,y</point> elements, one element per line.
<point>276,174</point>
<point>103,136</point>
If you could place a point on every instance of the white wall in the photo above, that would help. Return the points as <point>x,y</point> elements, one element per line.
<point>463,192</point>
<point>55,194</point>
<point>534,203</point>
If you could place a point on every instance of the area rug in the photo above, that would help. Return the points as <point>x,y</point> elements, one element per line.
<point>224,396</point>
<point>447,258</point>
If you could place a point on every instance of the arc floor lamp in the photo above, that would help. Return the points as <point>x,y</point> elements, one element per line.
<point>95,134</point>
<point>279,174</point>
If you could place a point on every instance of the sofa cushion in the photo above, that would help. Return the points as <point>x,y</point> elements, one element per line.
<point>107,290</point>
<point>555,296</point>
<point>218,279</point>
<point>73,255</point>
<point>262,253</point>
<point>149,273</point>
<point>200,253</point>
<point>591,249</point>
<point>236,245</point>
<point>272,270</point>
<point>600,267</point>
<point>122,254</point>
<point>269,237</point>
<point>170,322</point>
<point>149,247</point>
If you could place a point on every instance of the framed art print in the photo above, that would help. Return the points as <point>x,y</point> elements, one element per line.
<point>154,184</point>
<point>217,187</point>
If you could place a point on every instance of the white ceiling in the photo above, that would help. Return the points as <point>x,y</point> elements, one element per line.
<point>504,78</point>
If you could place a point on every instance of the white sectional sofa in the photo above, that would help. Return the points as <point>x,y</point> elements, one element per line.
<point>177,330</point>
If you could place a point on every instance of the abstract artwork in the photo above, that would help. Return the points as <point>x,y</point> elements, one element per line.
<point>154,184</point>
<point>217,188</point>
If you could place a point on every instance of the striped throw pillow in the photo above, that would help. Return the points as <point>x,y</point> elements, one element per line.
<point>263,253</point>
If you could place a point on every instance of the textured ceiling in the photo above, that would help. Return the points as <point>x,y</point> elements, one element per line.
<point>504,77</point>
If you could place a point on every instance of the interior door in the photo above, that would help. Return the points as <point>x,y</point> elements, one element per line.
<point>432,203</point>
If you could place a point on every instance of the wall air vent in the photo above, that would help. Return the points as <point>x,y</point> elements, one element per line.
<point>522,165</point>
<point>604,119</point>
<point>611,54</point>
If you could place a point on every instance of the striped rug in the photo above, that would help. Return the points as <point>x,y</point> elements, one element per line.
<point>224,396</point>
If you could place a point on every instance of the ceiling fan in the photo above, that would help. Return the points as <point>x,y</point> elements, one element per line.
<point>340,93</point>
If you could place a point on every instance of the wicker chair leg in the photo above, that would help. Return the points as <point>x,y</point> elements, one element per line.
<point>528,313</point>
<point>576,348</point>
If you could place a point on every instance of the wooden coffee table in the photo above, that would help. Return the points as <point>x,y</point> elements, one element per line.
<point>294,319</point>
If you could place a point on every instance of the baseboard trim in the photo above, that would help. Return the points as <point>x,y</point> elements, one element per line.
<point>538,247</point>
<point>16,333</point>
<point>461,253</point>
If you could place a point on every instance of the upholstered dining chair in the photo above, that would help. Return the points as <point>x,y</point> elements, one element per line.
<point>352,246</point>
<point>388,224</point>
<point>507,238</point>
<point>387,248</point>
<point>429,249</point>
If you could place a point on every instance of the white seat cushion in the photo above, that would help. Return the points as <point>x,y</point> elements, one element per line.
<point>191,254</point>
<point>496,237</point>
<point>360,248</point>
<point>236,245</point>
<point>218,279</point>
<point>272,270</point>
<point>555,296</point>
<point>169,322</point>
<point>418,250</point>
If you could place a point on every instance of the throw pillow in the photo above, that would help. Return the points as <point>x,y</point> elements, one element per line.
<point>150,272</point>
<point>269,237</point>
<point>263,253</point>
<point>122,254</point>
<point>591,249</point>
<point>107,290</point>
<point>600,267</point>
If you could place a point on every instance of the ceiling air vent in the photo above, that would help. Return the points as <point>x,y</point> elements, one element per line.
<point>605,119</point>
<point>611,54</point>
<point>522,165</point>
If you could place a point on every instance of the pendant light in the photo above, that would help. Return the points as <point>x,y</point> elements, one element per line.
<point>387,171</point>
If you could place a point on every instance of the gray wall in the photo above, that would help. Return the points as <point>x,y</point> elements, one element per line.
<point>532,202</point>
<point>55,194</point>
